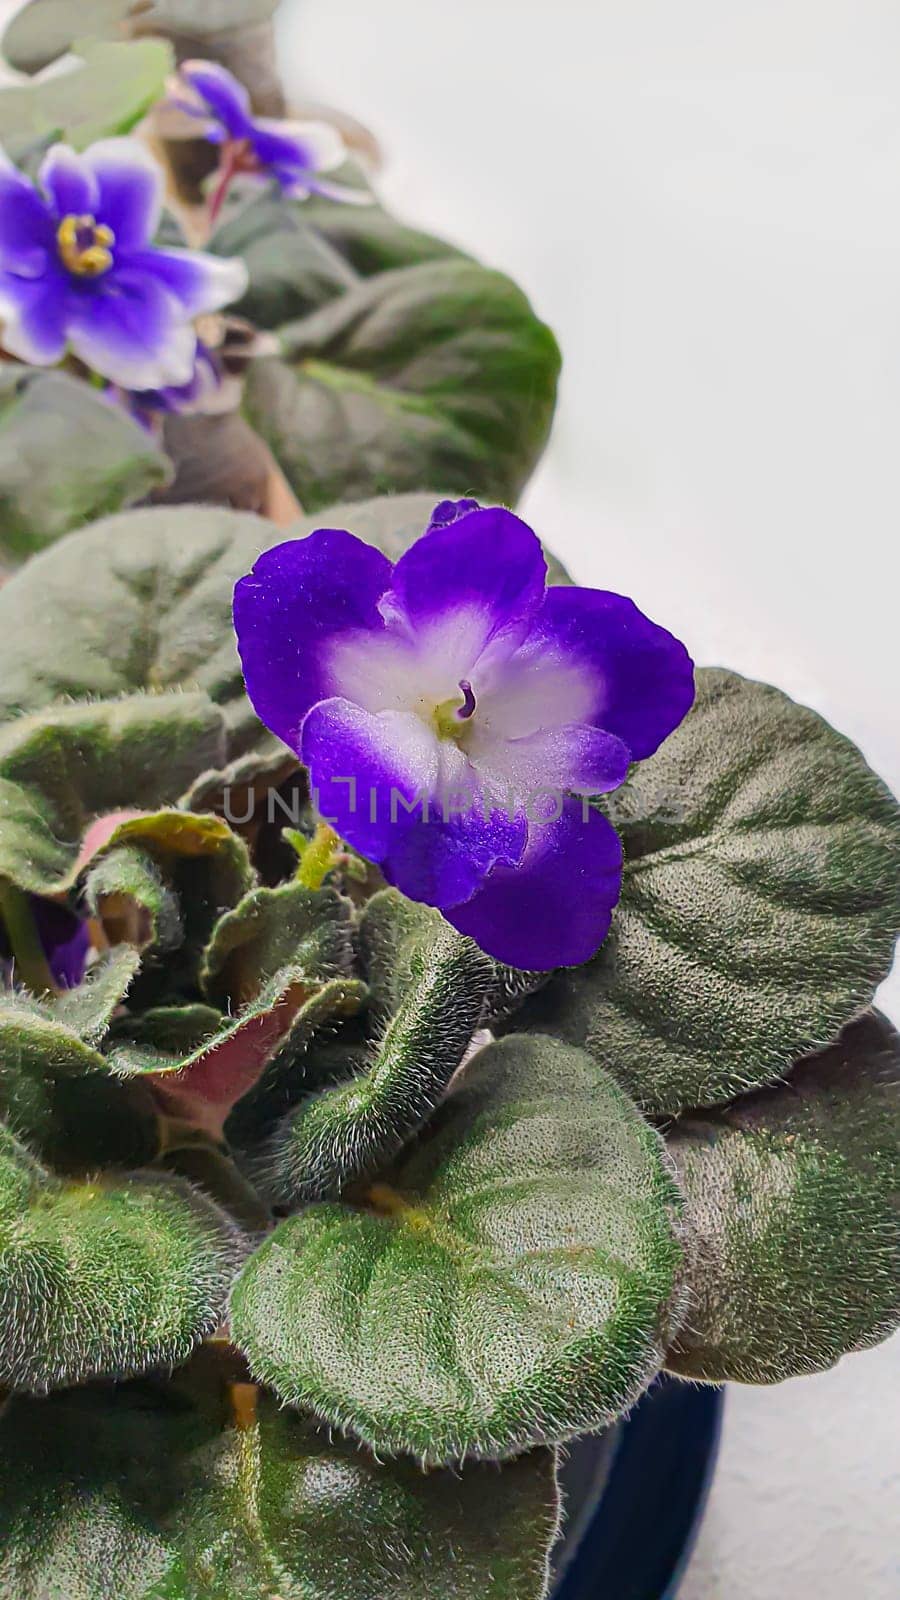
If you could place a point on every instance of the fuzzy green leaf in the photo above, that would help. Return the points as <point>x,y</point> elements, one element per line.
<point>88,1008</point>
<point>439,985</point>
<point>513,1280</point>
<point>104,1278</point>
<point>759,909</point>
<point>55,1090</point>
<point>306,929</point>
<point>218,1068</point>
<point>34,1040</point>
<point>437,373</point>
<point>162,878</point>
<point>794,1197</point>
<point>108,87</point>
<point>174,1501</point>
<point>137,601</point>
<point>126,891</point>
<point>63,768</point>
<point>392,928</point>
<point>66,455</point>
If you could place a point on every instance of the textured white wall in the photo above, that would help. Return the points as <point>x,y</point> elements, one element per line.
<point>702,198</point>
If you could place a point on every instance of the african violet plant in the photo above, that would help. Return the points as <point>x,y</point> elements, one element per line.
<point>430,1007</point>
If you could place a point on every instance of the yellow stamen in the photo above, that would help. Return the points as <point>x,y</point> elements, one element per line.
<point>85,246</point>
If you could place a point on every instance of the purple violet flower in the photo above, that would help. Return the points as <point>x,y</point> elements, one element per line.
<point>203,385</point>
<point>78,270</point>
<point>295,154</point>
<point>65,941</point>
<point>452,712</point>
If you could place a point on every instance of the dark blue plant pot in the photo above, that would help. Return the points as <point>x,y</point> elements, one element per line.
<point>636,1496</point>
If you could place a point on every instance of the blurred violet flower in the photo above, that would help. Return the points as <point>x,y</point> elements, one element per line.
<point>453,712</point>
<point>78,270</point>
<point>199,393</point>
<point>294,154</point>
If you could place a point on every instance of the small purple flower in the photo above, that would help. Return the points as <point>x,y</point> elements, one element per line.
<point>295,154</point>
<point>452,710</point>
<point>198,394</point>
<point>64,939</point>
<point>78,270</point>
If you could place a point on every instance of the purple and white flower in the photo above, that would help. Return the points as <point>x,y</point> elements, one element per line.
<point>454,713</point>
<point>294,154</point>
<point>200,393</point>
<point>79,271</point>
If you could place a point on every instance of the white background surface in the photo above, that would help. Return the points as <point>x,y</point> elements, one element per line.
<point>703,199</point>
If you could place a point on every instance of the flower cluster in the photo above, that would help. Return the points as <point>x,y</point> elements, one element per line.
<point>455,714</point>
<point>79,271</point>
<point>81,276</point>
<point>293,154</point>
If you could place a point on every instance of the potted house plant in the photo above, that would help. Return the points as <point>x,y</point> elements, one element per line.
<point>432,1008</point>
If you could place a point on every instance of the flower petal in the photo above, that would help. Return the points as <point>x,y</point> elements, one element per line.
<point>573,759</point>
<point>312,146</point>
<point>130,187</point>
<point>445,860</point>
<point>68,182</point>
<point>27,229</point>
<point>301,186</point>
<point>33,315</point>
<point>200,282</point>
<point>362,767</point>
<point>628,675</point>
<point>554,910</point>
<point>226,97</point>
<point>65,939</point>
<point>288,611</point>
<point>446,512</point>
<point>473,584</point>
<point>126,327</point>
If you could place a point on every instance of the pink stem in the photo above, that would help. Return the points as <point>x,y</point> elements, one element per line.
<point>228,171</point>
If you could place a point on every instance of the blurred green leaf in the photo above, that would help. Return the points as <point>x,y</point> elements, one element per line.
<point>759,909</point>
<point>66,455</point>
<point>521,1266</point>
<point>793,1194</point>
<point>175,1499</point>
<point>436,373</point>
<point>292,268</point>
<point>104,1278</point>
<point>301,254</point>
<point>43,30</point>
<point>105,89</point>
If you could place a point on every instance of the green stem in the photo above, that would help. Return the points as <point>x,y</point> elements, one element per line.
<point>30,965</point>
<point>318,857</point>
